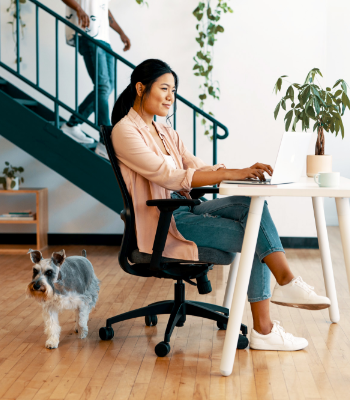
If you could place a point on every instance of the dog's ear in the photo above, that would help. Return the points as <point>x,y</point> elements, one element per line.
<point>58,258</point>
<point>35,256</point>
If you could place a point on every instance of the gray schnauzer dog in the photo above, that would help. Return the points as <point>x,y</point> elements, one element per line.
<point>61,283</point>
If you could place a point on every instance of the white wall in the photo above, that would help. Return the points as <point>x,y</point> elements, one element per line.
<point>262,41</point>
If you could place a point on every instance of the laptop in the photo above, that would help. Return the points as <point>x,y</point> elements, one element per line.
<point>290,161</point>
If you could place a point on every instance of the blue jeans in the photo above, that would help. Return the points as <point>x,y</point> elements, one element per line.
<point>105,82</point>
<point>220,224</point>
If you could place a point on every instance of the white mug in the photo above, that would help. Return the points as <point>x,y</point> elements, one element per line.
<point>327,179</point>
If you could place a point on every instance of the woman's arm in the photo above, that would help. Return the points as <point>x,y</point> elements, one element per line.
<point>205,178</point>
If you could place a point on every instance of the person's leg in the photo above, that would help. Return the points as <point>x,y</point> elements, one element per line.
<point>87,107</point>
<point>261,316</point>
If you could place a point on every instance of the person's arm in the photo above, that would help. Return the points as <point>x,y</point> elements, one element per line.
<point>207,178</point>
<point>114,25</point>
<point>83,18</point>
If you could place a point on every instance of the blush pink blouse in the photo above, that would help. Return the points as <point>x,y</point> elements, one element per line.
<point>149,176</point>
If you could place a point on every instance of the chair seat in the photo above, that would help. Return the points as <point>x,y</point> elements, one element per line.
<point>206,255</point>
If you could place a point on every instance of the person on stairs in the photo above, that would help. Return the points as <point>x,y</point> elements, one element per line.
<point>94,17</point>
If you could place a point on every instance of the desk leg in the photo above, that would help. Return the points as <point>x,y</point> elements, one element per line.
<point>240,291</point>
<point>343,211</point>
<point>231,281</point>
<point>326,258</point>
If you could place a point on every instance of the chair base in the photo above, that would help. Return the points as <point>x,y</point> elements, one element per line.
<point>178,309</point>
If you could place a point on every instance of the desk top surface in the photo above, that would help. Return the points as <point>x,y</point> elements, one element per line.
<point>23,191</point>
<point>306,187</point>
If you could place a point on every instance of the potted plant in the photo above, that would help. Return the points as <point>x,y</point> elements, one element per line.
<point>324,107</point>
<point>12,181</point>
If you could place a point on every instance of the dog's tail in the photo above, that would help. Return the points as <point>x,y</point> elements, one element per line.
<point>83,253</point>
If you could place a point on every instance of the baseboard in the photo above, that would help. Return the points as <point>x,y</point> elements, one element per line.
<point>57,239</point>
<point>299,242</point>
<point>116,239</point>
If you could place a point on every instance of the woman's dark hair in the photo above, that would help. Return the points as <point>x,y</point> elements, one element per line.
<point>147,73</point>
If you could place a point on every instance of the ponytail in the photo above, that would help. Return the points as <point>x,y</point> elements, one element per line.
<point>147,73</point>
<point>123,104</point>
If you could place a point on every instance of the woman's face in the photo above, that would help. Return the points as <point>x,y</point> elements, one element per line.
<point>161,96</point>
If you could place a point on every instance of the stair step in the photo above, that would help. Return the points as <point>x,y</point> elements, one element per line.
<point>2,82</point>
<point>28,103</point>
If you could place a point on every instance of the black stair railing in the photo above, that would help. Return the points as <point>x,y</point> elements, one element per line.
<point>58,103</point>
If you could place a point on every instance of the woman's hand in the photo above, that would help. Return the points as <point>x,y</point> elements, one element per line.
<point>245,173</point>
<point>267,168</point>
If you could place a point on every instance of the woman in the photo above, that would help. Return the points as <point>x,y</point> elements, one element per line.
<point>156,165</point>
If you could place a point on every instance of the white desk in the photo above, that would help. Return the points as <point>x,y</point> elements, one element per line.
<point>236,293</point>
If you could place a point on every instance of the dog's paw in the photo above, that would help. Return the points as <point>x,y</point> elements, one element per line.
<point>83,333</point>
<point>51,343</point>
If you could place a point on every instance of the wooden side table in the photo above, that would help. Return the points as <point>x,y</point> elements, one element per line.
<point>40,220</point>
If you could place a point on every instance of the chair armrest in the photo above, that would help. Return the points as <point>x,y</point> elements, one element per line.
<point>166,207</point>
<point>198,192</point>
<point>172,204</point>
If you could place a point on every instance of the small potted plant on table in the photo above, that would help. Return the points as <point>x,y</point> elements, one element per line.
<point>12,181</point>
<point>325,107</point>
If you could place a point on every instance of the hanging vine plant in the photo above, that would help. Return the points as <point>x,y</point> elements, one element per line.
<point>208,27</point>
<point>12,10</point>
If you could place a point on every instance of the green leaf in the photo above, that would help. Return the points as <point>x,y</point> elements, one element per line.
<point>310,112</point>
<point>343,85</point>
<point>288,119</point>
<point>317,105</point>
<point>20,169</point>
<point>204,121</point>
<point>290,93</point>
<point>7,163</point>
<point>338,93</point>
<point>202,96</point>
<point>277,110</point>
<point>13,184</point>
<point>306,94</point>
<point>283,104</point>
<point>337,83</point>
<point>315,126</point>
<point>328,89</point>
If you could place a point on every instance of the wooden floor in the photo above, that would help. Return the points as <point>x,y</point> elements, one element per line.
<point>127,368</point>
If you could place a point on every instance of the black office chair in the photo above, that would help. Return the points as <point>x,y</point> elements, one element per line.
<point>136,263</point>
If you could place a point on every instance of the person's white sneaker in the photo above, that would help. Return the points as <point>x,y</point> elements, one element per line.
<point>76,133</point>
<point>299,294</point>
<point>101,150</point>
<point>277,339</point>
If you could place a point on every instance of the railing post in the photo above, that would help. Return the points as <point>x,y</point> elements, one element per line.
<point>76,39</point>
<point>115,79</point>
<point>37,42</point>
<point>57,117</point>
<point>215,131</point>
<point>96,85</point>
<point>194,133</point>
<point>17,36</point>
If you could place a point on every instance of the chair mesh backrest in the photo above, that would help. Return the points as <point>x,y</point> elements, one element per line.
<point>129,238</point>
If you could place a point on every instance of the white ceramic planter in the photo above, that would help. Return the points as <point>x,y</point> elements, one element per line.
<point>9,181</point>
<point>316,164</point>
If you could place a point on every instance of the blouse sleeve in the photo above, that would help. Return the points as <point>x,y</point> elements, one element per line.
<point>132,151</point>
<point>191,161</point>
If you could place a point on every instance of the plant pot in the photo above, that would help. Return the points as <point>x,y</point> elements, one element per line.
<point>316,164</point>
<point>9,183</point>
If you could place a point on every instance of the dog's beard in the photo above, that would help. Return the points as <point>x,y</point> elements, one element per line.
<point>45,292</point>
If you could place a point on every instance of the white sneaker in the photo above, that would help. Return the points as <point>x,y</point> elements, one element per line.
<point>299,294</point>
<point>277,339</point>
<point>101,151</point>
<point>76,133</point>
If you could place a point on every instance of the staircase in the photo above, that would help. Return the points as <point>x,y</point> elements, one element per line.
<point>35,129</point>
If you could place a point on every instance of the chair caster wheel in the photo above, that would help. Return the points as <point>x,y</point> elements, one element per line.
<point>242,342</point>
<point>106,333</point>
<point>151,320</point>
<point>162,349</point>
<point>221,325</point>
